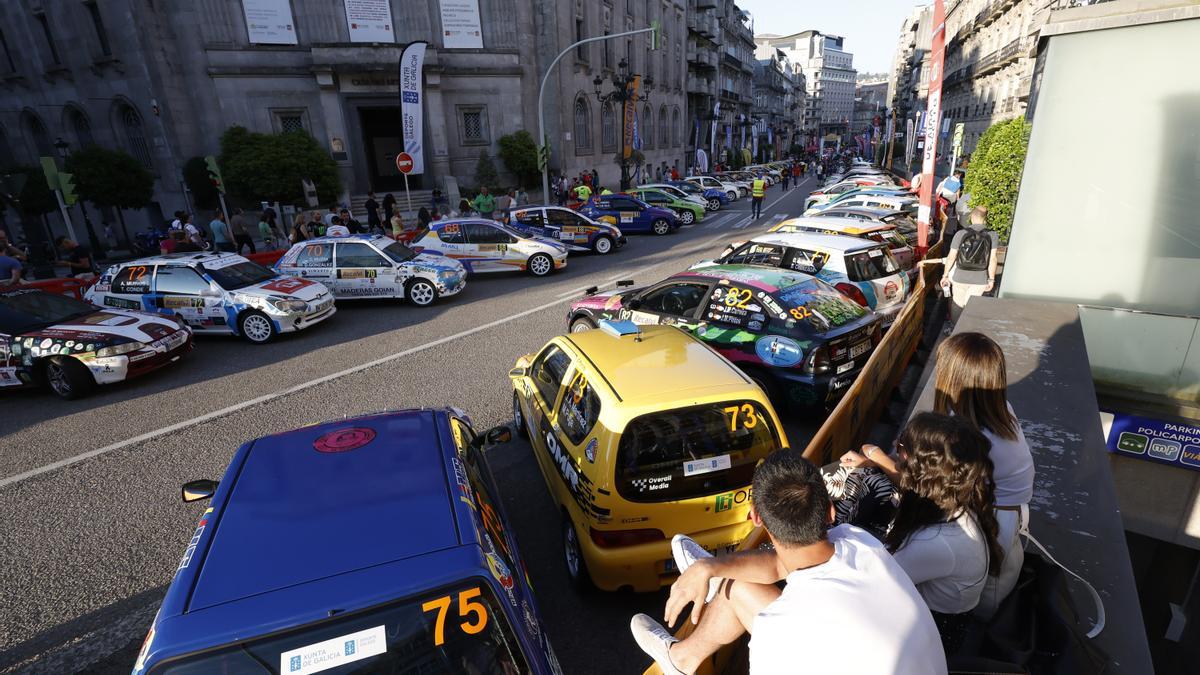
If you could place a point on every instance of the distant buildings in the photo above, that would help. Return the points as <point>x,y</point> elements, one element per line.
<point>829,77</point>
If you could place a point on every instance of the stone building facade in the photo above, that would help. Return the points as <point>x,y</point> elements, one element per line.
<point>829,77</point>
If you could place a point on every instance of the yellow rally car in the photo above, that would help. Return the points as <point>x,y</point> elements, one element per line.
<point>641,432</point>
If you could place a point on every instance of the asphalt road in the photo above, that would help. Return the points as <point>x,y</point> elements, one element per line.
<point>92,525</point>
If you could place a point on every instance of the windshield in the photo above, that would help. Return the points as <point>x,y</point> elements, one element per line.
<point>820,305</point>
<point>514,232</point>
<point>399,252</point>
<point>29,309</point>
<point>874,263</point>
<point>693,452</point>
<point>240,275</point>
<point>461,629</point>
<point>690,188</point>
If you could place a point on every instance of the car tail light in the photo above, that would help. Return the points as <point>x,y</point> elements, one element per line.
<point>853,292</point>
<point>619,538</point>
<point>817,361</point>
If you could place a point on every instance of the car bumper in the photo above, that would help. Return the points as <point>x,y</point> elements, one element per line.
<point>818,390</point>
<point>453,289</point>
<point>889,314</point>
<point>120,368</point>
<point>299,321</point>
<point>648,567</point>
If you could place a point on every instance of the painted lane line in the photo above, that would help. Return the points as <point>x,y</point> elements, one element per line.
<point>744,223</point>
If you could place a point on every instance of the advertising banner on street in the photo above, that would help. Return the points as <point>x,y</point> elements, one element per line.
<point>461,28</point>
<point>630,113</point>
<point>269,22</point>
<point>932,123</point>
<point>412,122</point>
<point>370,20</point>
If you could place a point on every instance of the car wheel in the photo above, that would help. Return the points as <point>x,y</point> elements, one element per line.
<point>67,378</point>
<point>573,557</point>
<point>603,245</point>
<point>256,327</point>
<point>732,195</point>
<point>714,204</point>
<point>660,226</point>
<point>420,292</point>
<point>540,265</point>
<point>687,217</point>
<point>582,325</point>
<point>519,418</point>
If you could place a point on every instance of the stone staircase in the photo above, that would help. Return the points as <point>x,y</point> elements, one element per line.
<point>419,198</point>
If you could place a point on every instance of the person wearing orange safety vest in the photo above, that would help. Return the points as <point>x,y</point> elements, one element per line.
<point>758,189</point>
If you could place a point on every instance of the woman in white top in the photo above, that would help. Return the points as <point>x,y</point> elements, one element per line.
<point>971,383</point>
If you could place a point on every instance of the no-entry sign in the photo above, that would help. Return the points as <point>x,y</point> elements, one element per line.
<point>404,162</point>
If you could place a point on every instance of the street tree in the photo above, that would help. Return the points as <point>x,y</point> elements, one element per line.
<point>271,167</point>
<point>519,154</point>
<point>994,175</point>
<point>485,172</point>
<point>111,178</point>
<point>33,201</point>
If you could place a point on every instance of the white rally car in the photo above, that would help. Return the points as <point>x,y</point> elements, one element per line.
<point>487,246</point>
<point>215,293</point>
<point>374,266</point>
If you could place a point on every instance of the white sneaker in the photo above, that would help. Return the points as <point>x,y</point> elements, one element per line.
<point>656,641</point>
<point>686,551</point>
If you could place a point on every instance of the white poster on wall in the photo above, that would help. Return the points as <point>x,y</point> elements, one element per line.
<point>269,22</point>
<point>460,24</point>
<point>370,20</point>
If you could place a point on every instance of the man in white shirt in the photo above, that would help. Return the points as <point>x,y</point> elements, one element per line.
<point>847,605</point>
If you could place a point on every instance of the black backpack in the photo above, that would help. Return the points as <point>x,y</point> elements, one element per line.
<point>974,250</point>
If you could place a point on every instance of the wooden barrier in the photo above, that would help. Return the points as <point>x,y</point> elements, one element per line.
<point>68,286</point>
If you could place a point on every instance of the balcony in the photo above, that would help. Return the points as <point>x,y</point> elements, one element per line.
<point>708,26</point>
<point>730,95</point>
<point>730,60</point>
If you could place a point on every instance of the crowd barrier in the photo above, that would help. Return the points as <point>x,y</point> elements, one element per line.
<point>69,286</point>
<point>267,258</point>
<point>849,423</point>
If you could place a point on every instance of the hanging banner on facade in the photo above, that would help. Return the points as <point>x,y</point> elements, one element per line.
<point>461,28</point>
<point>269,22</point>
<point>412,122</point>
<point>701,161</point>
<point>370,20</point>
<point>932,122</point>
<point>630,113</point>
<point>712,136</point>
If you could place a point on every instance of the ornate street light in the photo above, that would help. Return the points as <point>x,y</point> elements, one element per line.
<point>622,82</point>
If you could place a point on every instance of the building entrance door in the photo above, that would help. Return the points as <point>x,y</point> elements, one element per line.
<point>382,141</point>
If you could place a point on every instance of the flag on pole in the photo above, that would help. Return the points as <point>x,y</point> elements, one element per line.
<point>412,124</point>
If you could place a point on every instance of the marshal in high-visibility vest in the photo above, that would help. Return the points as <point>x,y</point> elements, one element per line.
<point>758,188</point>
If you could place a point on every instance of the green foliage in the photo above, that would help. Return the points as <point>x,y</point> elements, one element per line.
<point>36,198</point>
<point>994,175</point>
<point>519,154</point>
<point>485,171</point>
<point>270,167</point>
<point>204,195</point>
<point>110,178</point>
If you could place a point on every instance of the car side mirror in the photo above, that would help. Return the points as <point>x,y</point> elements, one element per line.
<point>196,490</point>
<point>517,372</point>
<point>633,304</point>
<point>493,436</point>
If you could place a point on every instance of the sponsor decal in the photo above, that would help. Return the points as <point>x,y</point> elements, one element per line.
<point>702,466</point>
<point>8,377</point>
<point>776,350</point>
<point>890,290</point>
<point>727,501</point>
<point>182,302</point>
<point>287,285</point>
<point>590,450</point>
<point>335,652</point>
<point>344,440</point>
<point>121,303</point>
<point>357,274</point>
<point>191,547</point>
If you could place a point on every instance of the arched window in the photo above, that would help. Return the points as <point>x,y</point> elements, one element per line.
<point>664,133</point>
<point>608,128</point>
<point>676,128</point>
<point>583,125</point>
<point>134,135</point>
<point>38,136</point>
<point>81,127</point>
<point>646,128</point>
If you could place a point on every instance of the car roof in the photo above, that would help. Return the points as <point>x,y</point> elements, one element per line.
<point>680,363</point>
<point>770,279</point>
<point>832,242</point>
<point>326,500</point>
<point>833,223</point>
<point>193,258</point>
<point>328,239</point>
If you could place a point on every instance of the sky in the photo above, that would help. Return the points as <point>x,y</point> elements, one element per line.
<point>871,27</point>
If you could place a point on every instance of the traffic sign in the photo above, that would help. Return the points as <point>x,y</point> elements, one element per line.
<point>958,136</point>
<point>404,162</point>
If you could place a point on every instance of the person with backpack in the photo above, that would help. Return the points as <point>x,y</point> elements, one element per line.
<point>970,267</point>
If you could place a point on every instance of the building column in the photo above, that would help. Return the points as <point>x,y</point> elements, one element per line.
<point>335,130</point>
<point>438,155</point>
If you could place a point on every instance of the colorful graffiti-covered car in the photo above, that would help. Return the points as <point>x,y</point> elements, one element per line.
<point>640,433</point>
<point>686,210</point>
<point>375,544</point>
<point>215,293</point>
<point>70,346</point>
<point>487,246</point>
<point>360,266</point>
<point>796,336</point>
<point>570,228</point>
<point>630,214</point>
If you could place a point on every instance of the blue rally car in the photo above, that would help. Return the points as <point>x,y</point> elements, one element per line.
<point>373,544</point>
<point>569,228</point>
<point>630,214</point>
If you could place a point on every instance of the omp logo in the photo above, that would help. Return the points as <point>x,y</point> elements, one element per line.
<point>565,467</point>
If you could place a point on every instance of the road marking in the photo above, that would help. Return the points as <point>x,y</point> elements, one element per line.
<point>266,398</point>
<point>744,222</point>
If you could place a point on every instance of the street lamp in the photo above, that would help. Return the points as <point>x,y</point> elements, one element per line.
<point>623,93</point>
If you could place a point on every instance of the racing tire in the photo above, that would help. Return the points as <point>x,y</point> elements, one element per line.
<point>540,265</point>
<point>576,566</point>
<point>67,378</point>
<point>732,195</point>
<point>256,327</point>
<point>686,217</point>
<point>603,245</point>
<point>519,418</point>
<point>582,325</point>
<point>714,204</point>
<point>420,292</point>
<point>742,192</point>
<point>660,227</point>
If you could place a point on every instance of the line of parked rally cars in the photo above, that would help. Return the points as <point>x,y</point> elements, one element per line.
<point>754,303</point>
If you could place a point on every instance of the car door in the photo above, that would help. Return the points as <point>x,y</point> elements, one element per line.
<point>131,288</point>
<point>315,261</point>
<point>569,227</point>
<point>180,290</point>
<point>673,303</point>
<point>9,363</point>
<point>628,214</point>
<point>656,198</point>
<point>491,247</point>
<point>361,271</point>
<point>757,253</point>
<point>547,377</point>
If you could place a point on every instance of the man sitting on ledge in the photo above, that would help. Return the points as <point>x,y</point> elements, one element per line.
<point>847,606</point>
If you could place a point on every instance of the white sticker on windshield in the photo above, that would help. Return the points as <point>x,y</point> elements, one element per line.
<point>874,253</point>
<point>223,261</point>
<point>698,466</point>
<point>335,652</point>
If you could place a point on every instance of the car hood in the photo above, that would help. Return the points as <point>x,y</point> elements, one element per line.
<point>303,289</point>
<point>607,300</point>
<point>99,329</point>
<point>436,263</point>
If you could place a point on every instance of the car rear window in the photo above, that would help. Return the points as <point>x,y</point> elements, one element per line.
<point>693,452</point>
<point>874,263</point>
<point>461,629</point>
<point>818,306</point>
